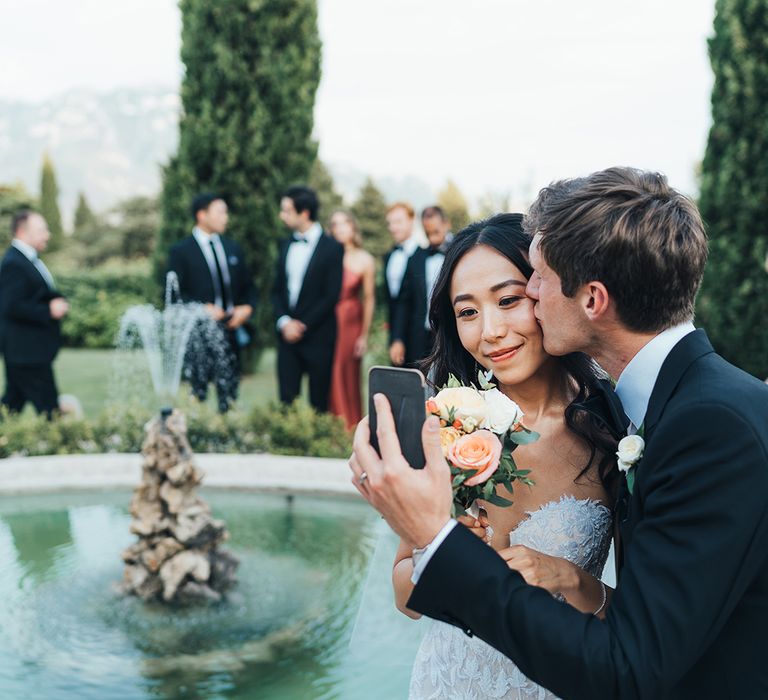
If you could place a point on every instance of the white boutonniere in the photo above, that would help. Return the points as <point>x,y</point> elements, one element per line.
<point>630,452</point>
<point>233,260</point>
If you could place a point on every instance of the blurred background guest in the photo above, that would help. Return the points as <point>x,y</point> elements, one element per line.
<point>400,221</point>
<point>211,270</point>
<point>354,314</point>
<point>306,288</point>
<point>411,335</point>
<point>30,313</point>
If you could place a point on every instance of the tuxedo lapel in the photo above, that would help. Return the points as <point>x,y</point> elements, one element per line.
<point>314,262</point>
<point>201,270</point>
<point>687,351</point>
<point>31,268</point>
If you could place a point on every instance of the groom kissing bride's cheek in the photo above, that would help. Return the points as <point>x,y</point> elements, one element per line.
<point>597,283</point>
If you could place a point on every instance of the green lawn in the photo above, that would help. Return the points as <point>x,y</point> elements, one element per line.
<point>86,373</point>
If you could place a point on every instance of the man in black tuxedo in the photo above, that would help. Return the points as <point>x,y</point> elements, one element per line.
<point>400,221</point>
<point>30,313</point>
<point>211,270</point>
<point>617,258</point>
<point>306,288</point>
<point>411,337</point>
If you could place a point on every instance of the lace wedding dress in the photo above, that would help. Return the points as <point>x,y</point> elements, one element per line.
<point>449,664</point>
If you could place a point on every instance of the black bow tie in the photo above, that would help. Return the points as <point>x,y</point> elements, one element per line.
<point>605,405</point>
<point>435,250</point>
<point>397,247</point>
<point>297,238</point>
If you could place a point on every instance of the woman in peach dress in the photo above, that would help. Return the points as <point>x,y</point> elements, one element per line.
<point>354,314</point>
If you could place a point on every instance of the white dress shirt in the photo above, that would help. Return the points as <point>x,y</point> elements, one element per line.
<point>634,388</point>
<point>432,267</point>
<point>397,263</point>
<point>636,382</point>
<point>299,254</point>
<point>31,254</point>
<point>204,240</point>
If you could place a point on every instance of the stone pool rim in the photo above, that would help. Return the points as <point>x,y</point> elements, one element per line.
<point>249,472</point>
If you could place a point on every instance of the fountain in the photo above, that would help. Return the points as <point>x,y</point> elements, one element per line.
<point>289,629</point>
<point>177,557</point>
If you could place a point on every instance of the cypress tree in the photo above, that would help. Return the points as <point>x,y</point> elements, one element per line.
<point>370,210</point>
<point>733,305</point>
<point>83,214</point>
<point>49,203</point>
<point>248,93</point>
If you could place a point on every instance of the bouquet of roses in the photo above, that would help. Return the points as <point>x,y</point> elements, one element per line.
<point>480,428</point>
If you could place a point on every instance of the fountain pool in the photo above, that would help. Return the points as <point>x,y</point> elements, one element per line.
<point>290,629</point>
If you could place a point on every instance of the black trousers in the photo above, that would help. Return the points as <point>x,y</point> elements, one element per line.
<point>296,360</point>
<point>34,383</point>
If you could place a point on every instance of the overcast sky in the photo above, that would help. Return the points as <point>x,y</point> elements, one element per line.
<point>500,95</point>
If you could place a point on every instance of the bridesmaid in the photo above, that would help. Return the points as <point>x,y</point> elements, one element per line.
<point>353,316</point>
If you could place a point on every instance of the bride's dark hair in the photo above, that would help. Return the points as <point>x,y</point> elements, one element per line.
<point>504,233</point>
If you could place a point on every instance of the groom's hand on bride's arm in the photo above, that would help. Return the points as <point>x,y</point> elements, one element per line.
<point>558,576</point>
<point>415,502</point>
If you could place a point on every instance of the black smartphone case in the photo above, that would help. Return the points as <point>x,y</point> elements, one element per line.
<point>406,391</point>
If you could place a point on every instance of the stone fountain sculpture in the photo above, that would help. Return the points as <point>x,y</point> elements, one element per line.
<point>177,557</point>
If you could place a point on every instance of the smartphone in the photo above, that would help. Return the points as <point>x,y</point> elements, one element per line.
<point>406,391</point>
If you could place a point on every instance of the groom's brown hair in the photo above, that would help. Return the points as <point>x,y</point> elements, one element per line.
<point>630,230</point>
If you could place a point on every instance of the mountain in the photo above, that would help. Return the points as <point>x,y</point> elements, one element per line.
<point>108,145</point>
<point>112,145</point>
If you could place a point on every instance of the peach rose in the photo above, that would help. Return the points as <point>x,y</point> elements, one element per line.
<point>480,450</point>
<point>447,437</point>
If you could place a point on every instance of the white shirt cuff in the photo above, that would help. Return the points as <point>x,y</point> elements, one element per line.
<point>282,321</point>
<point>432,547</point>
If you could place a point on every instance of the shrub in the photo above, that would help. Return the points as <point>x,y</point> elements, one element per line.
<point>292,430</point>
<point>97,300</point>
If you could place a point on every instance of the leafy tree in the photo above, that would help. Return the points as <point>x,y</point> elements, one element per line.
<point>321,180</point>
<point>733,304</point>
<point>125,232</point>
<point>49,203</point>
<point>248,93</point>
<point>12,199</point>
<point>453,202</point>
<point>83,213</point>
<point>370,210</point>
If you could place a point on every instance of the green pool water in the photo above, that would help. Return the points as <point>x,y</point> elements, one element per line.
<point>311,616</point>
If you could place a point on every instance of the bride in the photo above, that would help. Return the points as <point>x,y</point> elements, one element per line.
<point>557,533</point>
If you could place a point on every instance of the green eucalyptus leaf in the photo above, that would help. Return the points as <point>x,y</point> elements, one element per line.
<point>524,436</point>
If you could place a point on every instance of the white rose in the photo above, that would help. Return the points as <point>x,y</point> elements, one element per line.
<point>503,413</point>
<point>630,451</point>
<point>465,402</point>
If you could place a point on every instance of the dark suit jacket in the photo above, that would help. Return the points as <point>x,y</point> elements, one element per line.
<point>316,305</point>
<point>411,309</point>
<point>690,613</point>
<point>195,282</point>
<point>28,334</point>
<point>386,297</point>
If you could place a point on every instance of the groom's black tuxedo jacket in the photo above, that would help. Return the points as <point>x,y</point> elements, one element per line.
<point>689,617</point>
<point>28,334</point>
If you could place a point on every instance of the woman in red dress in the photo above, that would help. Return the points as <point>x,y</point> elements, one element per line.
<point>354,314</point>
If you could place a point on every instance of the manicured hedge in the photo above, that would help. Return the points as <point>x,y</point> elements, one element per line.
<point>292,430</point>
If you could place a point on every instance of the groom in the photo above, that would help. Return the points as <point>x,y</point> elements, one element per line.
<point>617,258</point>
